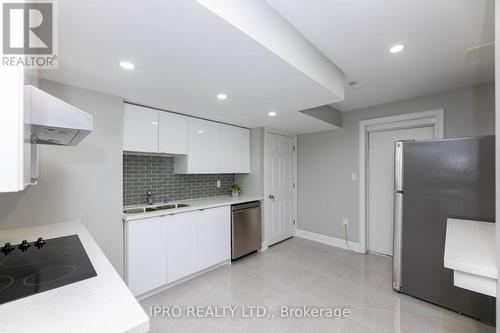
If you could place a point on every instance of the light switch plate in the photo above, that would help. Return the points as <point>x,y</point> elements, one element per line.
<point>218,184</point>
<point>354,176</point>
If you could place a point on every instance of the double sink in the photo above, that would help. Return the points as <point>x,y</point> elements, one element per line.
<point>140,210</point>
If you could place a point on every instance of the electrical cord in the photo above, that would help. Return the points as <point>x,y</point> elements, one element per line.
<point>347,243</point>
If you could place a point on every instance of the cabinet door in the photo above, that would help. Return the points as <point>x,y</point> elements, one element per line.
<point>235,149</point>
<point>182,248</point>
<point>204,137</point>
<point>11,133</point>
<point>140,129</point>
<point>146,254</point>
<point>214,232</point>
<point>173,133</point>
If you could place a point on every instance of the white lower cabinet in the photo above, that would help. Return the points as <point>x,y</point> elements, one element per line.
<point>146,254</point>
<point>161,250</point>
<point>214,237</point>
<point>181,245</point>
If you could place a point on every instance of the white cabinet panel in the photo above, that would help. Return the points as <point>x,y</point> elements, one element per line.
<point>173,133</point>
<point>214,232</point>
<point>140,129</point>
<point>11,128</point>
<point>146,254</point>
<point>182,247</point>
<point>161,250</point>
<point>204,145</point>
<point>234,149</point>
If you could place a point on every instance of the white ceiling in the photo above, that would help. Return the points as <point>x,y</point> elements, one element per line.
<point>185,54</point>
<point>258,20</point>
<point>356,36</point>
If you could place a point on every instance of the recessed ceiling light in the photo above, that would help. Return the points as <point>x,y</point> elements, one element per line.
<point>127,65</point>
<point>154,123</point>
<point>200,131</point>
<point>221,96</point>
<point>397,48</point>
<point>272,114</point>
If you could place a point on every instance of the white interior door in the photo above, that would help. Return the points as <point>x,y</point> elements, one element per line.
<point>279,188</point>
<point>381,183</point>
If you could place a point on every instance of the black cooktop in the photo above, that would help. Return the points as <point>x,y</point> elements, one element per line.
<point>34,267</point>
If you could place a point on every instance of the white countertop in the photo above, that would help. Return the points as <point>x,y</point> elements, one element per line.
<point>470,247</point>
<point>99,304</point>
<point>194,204</point>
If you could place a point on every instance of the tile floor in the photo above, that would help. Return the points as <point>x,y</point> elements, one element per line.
<point>299,272</point>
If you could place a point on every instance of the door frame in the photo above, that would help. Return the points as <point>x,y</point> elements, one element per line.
<point>433,118</point>
<point>268,131</point>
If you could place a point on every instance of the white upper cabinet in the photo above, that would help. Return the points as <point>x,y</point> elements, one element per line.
<point>19,155</point>
<point>173,133</point>
<point>234,149</point>
<point>203,151</point>
<point>200,146</point>
<point>152,131</point>
<point>140,129</point>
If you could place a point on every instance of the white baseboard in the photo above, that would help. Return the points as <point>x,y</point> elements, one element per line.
<point>337,242</point>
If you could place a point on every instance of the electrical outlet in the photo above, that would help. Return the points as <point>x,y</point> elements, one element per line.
<point>218,184</point>
<point>354,176</point>
<point>345,222</point>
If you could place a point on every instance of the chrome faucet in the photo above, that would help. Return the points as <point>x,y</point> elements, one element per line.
<point>149,197</point>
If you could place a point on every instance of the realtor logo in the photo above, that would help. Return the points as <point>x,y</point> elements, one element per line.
<point>29,34</point>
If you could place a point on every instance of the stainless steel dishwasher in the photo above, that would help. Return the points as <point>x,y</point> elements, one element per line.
<point>246,229</point>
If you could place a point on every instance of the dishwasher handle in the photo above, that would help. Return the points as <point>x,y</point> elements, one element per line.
<point>243,206</point>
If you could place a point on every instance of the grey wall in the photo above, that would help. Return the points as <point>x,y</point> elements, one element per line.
<point>156,173</point>
<point>326,160</point>
<point>78,183</point>
<point>325,113</point>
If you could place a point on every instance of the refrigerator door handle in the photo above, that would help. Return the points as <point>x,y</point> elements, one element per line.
<point>398,166</point>
<point>397,242</point>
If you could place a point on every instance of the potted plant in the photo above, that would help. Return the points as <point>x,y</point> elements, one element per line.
<point>235,189</point>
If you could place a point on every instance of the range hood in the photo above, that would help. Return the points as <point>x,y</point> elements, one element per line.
<point>53,121</point>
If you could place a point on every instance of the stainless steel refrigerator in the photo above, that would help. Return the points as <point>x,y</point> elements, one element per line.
<point>434,180</point>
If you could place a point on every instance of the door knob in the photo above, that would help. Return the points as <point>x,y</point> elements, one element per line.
<point>271,197</point>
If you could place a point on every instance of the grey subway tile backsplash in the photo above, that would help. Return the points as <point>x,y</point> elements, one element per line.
<point>156,173</point>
